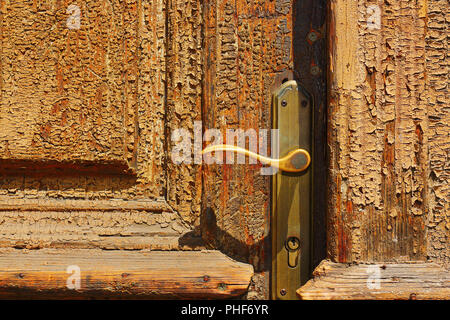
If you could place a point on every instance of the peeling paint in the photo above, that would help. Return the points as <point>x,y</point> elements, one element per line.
<point>389,132</point>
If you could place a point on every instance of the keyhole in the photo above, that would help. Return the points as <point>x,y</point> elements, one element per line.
<point>293,246</point>
<point>293,243</point>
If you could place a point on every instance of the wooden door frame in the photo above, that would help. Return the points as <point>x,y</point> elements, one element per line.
<point>360,244</point>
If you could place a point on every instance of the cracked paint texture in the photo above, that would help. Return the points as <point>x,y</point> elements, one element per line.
<point>389,130</point>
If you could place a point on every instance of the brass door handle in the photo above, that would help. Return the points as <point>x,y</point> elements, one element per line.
<point>296,160</point>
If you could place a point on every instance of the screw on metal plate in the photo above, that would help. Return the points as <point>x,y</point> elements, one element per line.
<point>312,36</point>
<point>315,70</point>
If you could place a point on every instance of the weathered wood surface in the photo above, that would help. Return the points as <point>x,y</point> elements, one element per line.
<point>92,96</point>
<point>71,94</point>
<point>185,58</point>
<point>399,281</point>
<point>388,133</point>
<point>247,45</point>
<point>11,204</point>
<point>122,274</point>
<point>86,116</point>
<point>107,224</point>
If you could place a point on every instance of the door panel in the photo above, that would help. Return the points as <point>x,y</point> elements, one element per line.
<point>84,127</point>
<point>67,94</point>
<point>71,95</point>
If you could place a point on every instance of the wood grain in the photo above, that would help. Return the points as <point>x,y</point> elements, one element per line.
<point>85,121</point>
<point>122,274</point>
<point>247,45</point>
<point>399,281</point>
<point>388,133</point>
<point>62,88</point>
<point>86,100</point>
<point>108,224</point>
<point>8,204</point>
<point>185,58</point>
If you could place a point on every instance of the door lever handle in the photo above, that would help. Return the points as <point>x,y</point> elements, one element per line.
<point>296,160</point>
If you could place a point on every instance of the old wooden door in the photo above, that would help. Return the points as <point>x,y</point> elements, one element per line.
<point>91,93</point>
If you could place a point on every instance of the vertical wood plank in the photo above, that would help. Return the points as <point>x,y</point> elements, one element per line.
<point>183,105</point>
<point>247,44</point>
<point>385,124</point>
